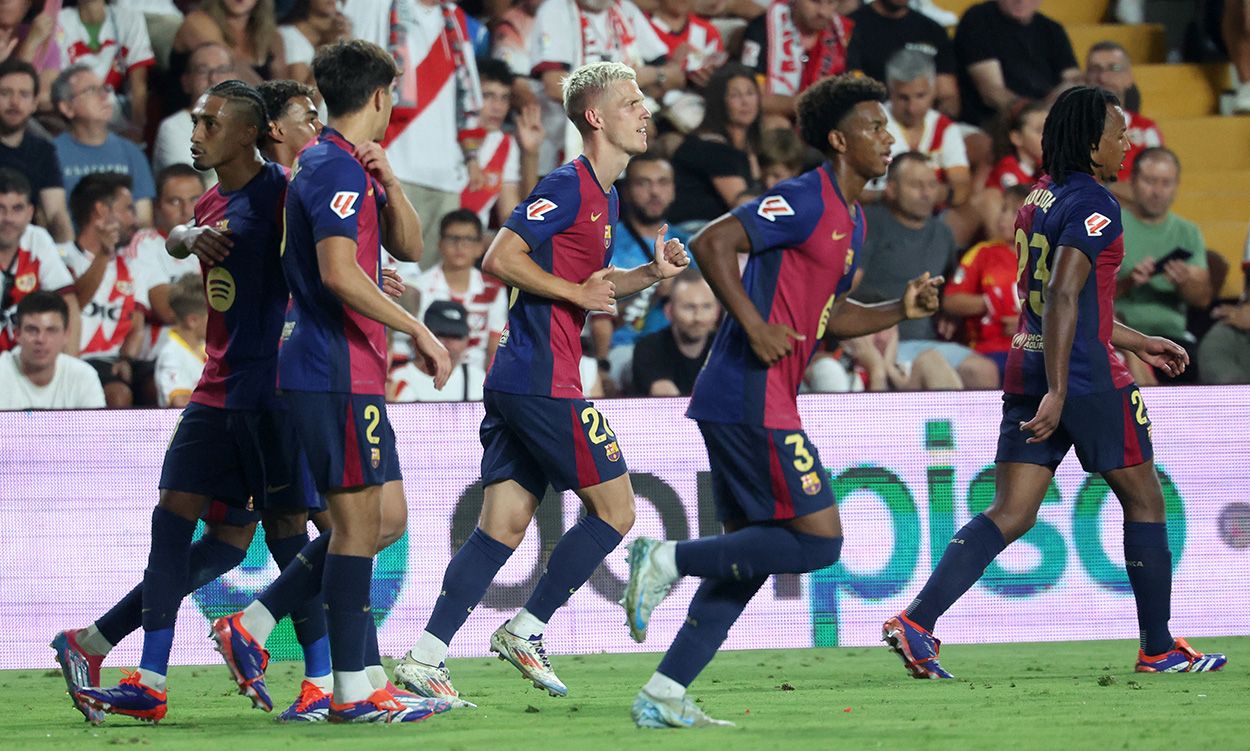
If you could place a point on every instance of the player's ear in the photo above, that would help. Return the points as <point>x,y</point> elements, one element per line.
<point>837,141</point>
<point>594,118</point>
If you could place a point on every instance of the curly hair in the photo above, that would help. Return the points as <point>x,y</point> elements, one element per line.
<point>1073,129</point>
<point>827,102</point>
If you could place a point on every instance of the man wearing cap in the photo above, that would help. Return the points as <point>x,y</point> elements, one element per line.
<point>449,321</point>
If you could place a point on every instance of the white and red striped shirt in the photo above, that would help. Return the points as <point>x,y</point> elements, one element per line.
<point>123,43</point>
<point>146,253</point>
<point>940,140</point>
<point>700,36</point>
<point>485,300</point>
<point>37,265</point>
<point>106,318</point>
<point>500,157</point>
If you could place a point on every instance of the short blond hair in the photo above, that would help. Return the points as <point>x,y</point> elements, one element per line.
<point>584,86</point>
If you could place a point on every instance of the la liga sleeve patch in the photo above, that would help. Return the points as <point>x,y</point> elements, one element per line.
<point>1095,223</point>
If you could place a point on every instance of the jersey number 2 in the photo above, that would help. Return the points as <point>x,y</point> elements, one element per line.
<point>373,415</point>
<point>1037,297</point>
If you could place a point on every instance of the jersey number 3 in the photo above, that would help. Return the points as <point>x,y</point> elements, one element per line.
<point>1037,297</point>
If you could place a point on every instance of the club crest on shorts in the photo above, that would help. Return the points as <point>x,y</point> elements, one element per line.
<point>607,236</point>
<point>375,457</point>
<point>811,483</point>
<point>613,451</point>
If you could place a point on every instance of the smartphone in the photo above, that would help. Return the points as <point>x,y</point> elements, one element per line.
<point>1177,254</point>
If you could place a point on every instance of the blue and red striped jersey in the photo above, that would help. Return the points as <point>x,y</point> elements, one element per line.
<point>247,294</point>
<point>805,246</point>
<point>1081,214</point>
<point>329,346</point>
<point>567,223</point>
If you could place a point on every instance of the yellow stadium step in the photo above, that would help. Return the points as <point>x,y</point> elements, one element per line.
<point>1208,143</point>
<point>1145,43</point>
<point>1228,238</point>
<point>1217,181</point>
<point>1066,12</point>
<point>1180,90</point>
<point>1200,206</point>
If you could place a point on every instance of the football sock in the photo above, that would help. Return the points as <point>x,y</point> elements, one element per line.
<point>346,592</point>
<point>298,583</point>
<point>209,559</point>
<point>373,656</point>
<point>1149,564</point>
<point>715,607</point>
<point>429,650</point>
<point>93,642</point>
<point>152,679</point>
<point>317,655</point>
<point>309,618</point>
<point>164,586</point>
<point>575,557</point>
<point>377,676</point>
<point>469,574</point>
<point>971,549</point>
<point>525,624</point>
<point>323,682</point>
<point>662,687</point>
<point>756,551</point>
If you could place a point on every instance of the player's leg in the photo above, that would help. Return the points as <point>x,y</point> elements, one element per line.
<point>506,513</point>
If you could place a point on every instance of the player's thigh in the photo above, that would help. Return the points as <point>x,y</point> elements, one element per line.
<point>394,513</point>
<point>824,523</point>
<point>1110,431</point>
<point>347,439</point>
<point>506,444</point>
<point>1139,492</point>
<point>1019,488</point>
<point>290,488</point>
<point>762,474</point>
<point>356,514</point>
<point>611,501</point>
<point>507,508</point>
<point>280,524</point>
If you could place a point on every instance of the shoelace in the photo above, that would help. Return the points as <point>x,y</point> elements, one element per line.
<point>309,694</point>
<point>542,653</point>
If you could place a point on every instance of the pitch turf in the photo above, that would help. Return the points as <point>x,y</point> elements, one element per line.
<point>1067,696</point>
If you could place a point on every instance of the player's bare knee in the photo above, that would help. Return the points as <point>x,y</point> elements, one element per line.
<point>619,516</point>
<point>187,505</point>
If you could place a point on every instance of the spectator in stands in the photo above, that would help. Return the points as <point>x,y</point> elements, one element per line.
<point>208,65</point>
<point>1007,51</point>
<point>793,45</point>
<point>246,27</point>
<point>1153,294</point>
<point>432,144</point>
<point>1235,25</point>
<point>782,155</point>
<point>456,278</point>
<point>29,262</point>
<point>876,357</point>
<point>114,43</point>
<point>884,27</point>
<point>29,36</point>
<point>1020,163</point>
<point>666,362</point>
<point>647,197</point>
<point>448,320</point>
<point>1108,67</point>
<point>690,38</point>
<point>509,163</point>
<point>716,162</point>
<point>178,187</point>
<point>39,375</point>
<point>181,360</point>
<point>1224,356</point>
<point>905,241</point>
<point>310,25</point>
<point>88,146</point>
<point>982,291</point>
<point>29,153</point>
<point>511,39</point>
<point>113,293</point>
<point>293,119</point>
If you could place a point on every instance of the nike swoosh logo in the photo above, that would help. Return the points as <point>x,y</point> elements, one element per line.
<point>595,217</point>
<point>276,488</point>
<point>838,235</point>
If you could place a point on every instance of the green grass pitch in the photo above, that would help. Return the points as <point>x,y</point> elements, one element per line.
<point>1055,696</point>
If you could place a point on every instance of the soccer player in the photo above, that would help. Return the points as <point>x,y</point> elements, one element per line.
<point>344,201</point>
<point>539,430</point>
<point>1066,387</point>
<point>230,444</point>
<point>771,492</point>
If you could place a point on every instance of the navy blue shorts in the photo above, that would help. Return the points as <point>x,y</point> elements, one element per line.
<point>540,441</point>
<point>347,438</point>
<point>246,459</point>
<point>1109,430</point>
<point>762,474</point>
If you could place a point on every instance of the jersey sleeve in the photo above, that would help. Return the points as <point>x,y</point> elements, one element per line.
<point>54,274</point>
<point>649,45</point>
<point>967,277</point>
<point>549,210</point>
<point>952,152</point>
<point>554,38</point>
<point>783,217</point>
<point>1091,224</point>
<point>331,194</point>
<point>133,33</point>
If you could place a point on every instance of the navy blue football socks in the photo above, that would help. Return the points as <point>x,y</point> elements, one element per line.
<point>164,586</point>
<point>1149,564</point>
<point>575,557</point>
<point>346,593</point>
<point>971,549</point>
<point>465,582</point>
<point>714,609</point>
<point>756,551</point>
<point>209,558</point>
<point>309,619</point>
<point>299,582</point>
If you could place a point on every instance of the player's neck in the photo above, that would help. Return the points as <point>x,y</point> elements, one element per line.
<point>355,128</point>
<point>38,376</point>
<point>850,182</point>
<point>13,140</point>
<point>236,173</point>
<point>607,161</point>
<point>282,154</point>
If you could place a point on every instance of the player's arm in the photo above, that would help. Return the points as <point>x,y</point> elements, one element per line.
<point>56,214</point>
<point>1068,274</point>
<point>346,280</point>
<point>86,285</point>
<point>987,77</point>
<point>508,258</point>
<point>850,319</point>
<point>205,243</point>
<point>669,259</point>
<point>401,226</point>
<point>124,367</point>
<point>1156,351</point>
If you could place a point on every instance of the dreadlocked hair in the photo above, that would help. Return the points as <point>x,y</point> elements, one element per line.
<point>1072,129</point>
<point>824,105</point>
<point>250,103</point>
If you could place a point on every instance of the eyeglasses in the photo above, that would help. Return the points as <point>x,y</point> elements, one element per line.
<point>102,89</point>
<point>461,239</point>
<point>1112,68</point>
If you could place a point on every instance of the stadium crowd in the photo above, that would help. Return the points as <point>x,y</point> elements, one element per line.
<point>96,146</point>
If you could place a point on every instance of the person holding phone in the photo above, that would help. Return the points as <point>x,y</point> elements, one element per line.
<point>1165,263</point>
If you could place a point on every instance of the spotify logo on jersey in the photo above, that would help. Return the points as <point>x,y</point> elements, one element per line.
<point>220,288</point>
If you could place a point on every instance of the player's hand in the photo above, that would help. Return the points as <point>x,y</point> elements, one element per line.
<point>598,293</point>
<point>1237,316</point>
<point>208,245</point>
<point>123,370</point>
<point>773,341</point>
<point>670,255</point>
<point>1043,424</point>
<point>392,283</point>
<point>373,157</point>
<point>1178,272</point>
<point>431,356</point>
<point>921,299</point>
<point>529,127</point>
<point>477,178</point>
<point>1163,354</point>
<point>1142,272</point>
